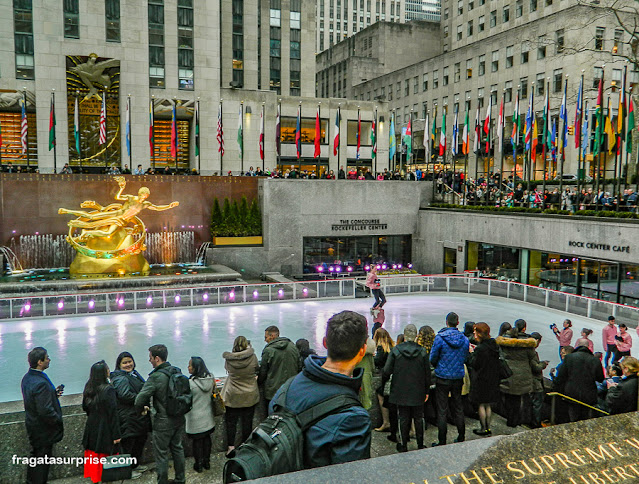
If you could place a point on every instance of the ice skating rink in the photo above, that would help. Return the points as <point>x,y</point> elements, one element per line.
<point>75,343</point>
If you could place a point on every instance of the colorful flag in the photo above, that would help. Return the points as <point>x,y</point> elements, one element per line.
<point>500,123</point>
<point>455,139</point>
<point>24,127</point>
<point>298,132</point>
<point>514,136</point>
<point>197,128</point>
<point>553,139</point>
<point>240,126</point>
<point>103,132</point>
<point>529,123</point>
<point>317,135</point>
<point>545,137</point>
<point>585,141</point>
<point>610,135</point>
<point>278,130</point>
<point>477,140</point>
<point>261,138</point>
<point>433,132</point>
<point>220,131</point>
<point>465,135</point>
<point>599,121</point>
<point>392,143</point>
<point>52,123</point>
<point>578,115</point>
<point>151,134</point>
<point>487,122</point>
<point>174,140</point>
<point>535,138</point>
<point>336,138</point>
<point>128,126</point>
<point>359,134</point>
<point>631,126</point>
<point>563,117</point>
<point>442,134</point>
<point>408,140</point>
<point>427,141</point>
<point>621,116</point>
<point>373,135</point>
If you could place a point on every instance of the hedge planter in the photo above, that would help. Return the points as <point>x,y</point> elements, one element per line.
<point>235,241</point>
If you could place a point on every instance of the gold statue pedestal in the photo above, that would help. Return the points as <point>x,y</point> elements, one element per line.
<point>122,264</point>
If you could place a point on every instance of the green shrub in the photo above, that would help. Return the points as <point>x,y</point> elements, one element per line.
<point>235,219</point>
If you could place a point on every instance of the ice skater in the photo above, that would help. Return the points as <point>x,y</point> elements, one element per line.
<point>372,281</point>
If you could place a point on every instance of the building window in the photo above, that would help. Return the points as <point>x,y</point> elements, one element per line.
<point>506,14</point>
<point>509,56</point>
<point>459,32</point>
<point>541,47</point>
<point>470,28</point>
<point>296,20</point>
<point>390,92</point>
<point>186,61</point>
<point>424,110</point>
<point>480,97</point>
<point>598,74</point>
<point>23,37</point>
<point>548,3</point>
<point>71,10</point>
<point>508,91</point>
<point>469,69</point>
<point>446,14</point>
<point>296,49</point>
<point>275,17</point>
<point>481,23</point>
<point>533,6</point>
<point>519,8</point>
<point>156,43</point>
<point>275,75</point>
<point>616,77</point>
<point>493,94</point>
<point>435,79</point>
<point>482,65</point>
<point>457,72</point>
<point>524,53</point>
<point>493,18</point>
<point>399,90</point>
<point>445,76</point>
<point>618,47</point>
<point>559,40</point>
<point>523,82</point>
<point>599,38</point>
<point>445,31</point>
<point>406,87</point>
<point>541,84</point>
<point>415,85</point>
<point>557,76</point>
<point>471,5</point>
<point>460,7</point>
<point>424,82</point>
<point>494,65</point>
<point>112,18</point>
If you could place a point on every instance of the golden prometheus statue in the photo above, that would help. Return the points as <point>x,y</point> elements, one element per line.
<point>111,238</point>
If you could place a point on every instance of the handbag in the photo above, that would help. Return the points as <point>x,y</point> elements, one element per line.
<point>217,403</point>
<point>504,370</point>
<point>117,467</point>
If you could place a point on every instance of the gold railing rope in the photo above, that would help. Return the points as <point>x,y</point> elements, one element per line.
<point>557,394</point>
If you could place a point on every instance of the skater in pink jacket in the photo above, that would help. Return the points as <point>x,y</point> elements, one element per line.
<point>608,334</point>
<point>372,282</point>
<point>623,341</point>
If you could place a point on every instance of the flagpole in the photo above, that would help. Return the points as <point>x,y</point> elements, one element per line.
<point>319,156</point>
<point>199,154</point>
<point>598,137</point>
<point>278,136</point>
<point>464,190</point>
<point>299,156</point>
<point>621,117</point>
<point>152,128</point>
<point>55,144</point>
<point>263,138</point>
<point>563,144</point>
<point>106,137</point>
<point>410,123</point>
<point>242,131</point>
<point>129,141</point>
<point>581,134</point>
<point>222,150</point>
<point>533,161</point>
<point>24,100</point>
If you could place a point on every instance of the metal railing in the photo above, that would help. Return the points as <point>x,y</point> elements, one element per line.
<point>342,287</point>
<point>553,405</point>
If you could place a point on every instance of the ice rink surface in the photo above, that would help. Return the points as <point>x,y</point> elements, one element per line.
<point>75,343</point>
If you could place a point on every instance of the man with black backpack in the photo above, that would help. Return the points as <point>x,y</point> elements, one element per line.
<point>315,419</point>
<point>171,400</point>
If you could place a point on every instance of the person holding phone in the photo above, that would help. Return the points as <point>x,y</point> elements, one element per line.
<point>623,341</point>
<point>565,335</point>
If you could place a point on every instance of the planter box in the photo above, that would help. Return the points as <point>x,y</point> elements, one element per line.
<point>230,241</point>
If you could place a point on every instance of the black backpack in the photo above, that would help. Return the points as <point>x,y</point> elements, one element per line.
<point>276,446</point>
<point>178,396</point>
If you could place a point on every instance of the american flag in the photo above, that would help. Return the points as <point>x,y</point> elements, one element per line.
<point>25,126</point>
<point>103,133</point>
<point>220,131</point>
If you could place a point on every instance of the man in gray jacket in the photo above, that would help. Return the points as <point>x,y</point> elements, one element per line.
<point>280,361</point>
<point>168,431</point>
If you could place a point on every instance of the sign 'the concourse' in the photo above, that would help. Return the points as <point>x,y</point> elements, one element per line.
<point>362,224</point>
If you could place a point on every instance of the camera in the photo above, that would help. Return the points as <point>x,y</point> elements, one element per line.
<point>553,326</point>
<point>618,338</point>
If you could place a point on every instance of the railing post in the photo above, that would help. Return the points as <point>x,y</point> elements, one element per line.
<point>567,303</point>
<point>489,286</point>
<point>589,307</point>
<point>106,303</point>
<point>447,284</point>
<point>135,300</point>
<point>553,407</point>
<point>218,295</point>
<point>525,293</point>
<point>507,290</point>
<point>317,294</point>
<point>191,295</point>
<point>44,306</point>
<point>269,292</point>
<point>547,297</point>
<point>244,294</point>
<point>10,308</point>
<point>294,291</point>
<point>76,303</point>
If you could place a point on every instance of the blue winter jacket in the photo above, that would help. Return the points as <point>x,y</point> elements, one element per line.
<point>338,438</point>
<point>449,353</point>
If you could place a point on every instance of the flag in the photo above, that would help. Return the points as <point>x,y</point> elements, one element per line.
<point>373,134</point>
<point>442,134</point>
<point>487,122</point>
<point>278,130</point>
<point>298,132</point>
<point>427,140</point>
<point>151,134</point>
<point>465,134</point>
<point>578,115</point>
<point>500,123</point>
<point>317,135</point>
<point>197,128</point>
<point>535,138</point>
<point>514,136</point>
<point>261,138</point>
<point>631,126</point>
<point>408,140</point>
<point>392,144</point>
<point>545,136</point>
<point>52,123</point>
<point>359,134</point>
<point>599,120</point>
<point>585,141</point>
<point>174,140</point>
<point>24,128</point>
<point>336,139</point>
<point>220,131</point>
<point>103,133</point>
<point>553,138</point>
<point>610,135</point>
<point>433,131</point>
<point>477,140</point>
<point>529,123</point>
<point>621,116</point>
<point>563,116</point>
<point>128,126</point>
<point>240,135</point>
<point>455,139</point>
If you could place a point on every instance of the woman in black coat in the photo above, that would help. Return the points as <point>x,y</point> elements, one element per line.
<point>102,429</point>
<point>484,385</point>
<point>135,426</point>
<point>622,396</point>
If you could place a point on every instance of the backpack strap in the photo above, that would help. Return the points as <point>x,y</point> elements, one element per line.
<point>329,406</point>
